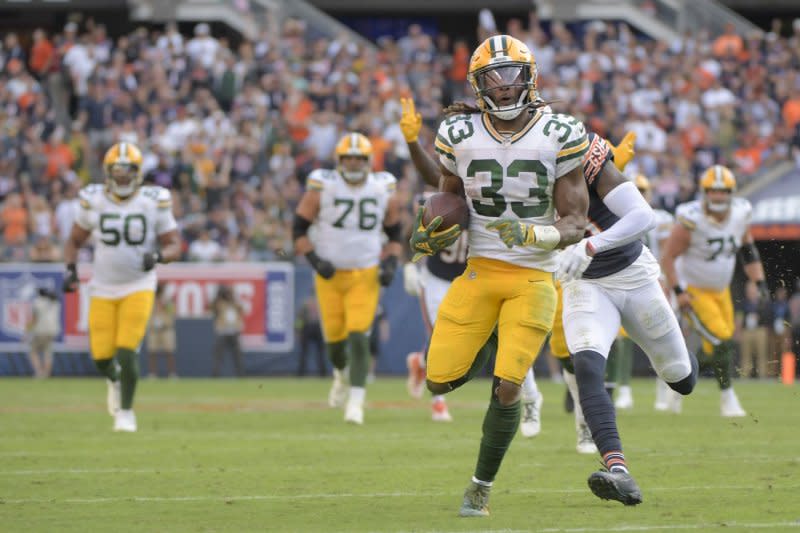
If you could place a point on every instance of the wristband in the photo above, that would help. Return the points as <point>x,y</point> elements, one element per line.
<point>547,237</point>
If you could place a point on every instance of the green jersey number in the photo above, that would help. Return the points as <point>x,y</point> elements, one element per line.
<point>492,191</point>
<point>717,246</point>
<point>560,125</point>
<point>460,128</point>
<point>367,216</point>
<point>134,229</point>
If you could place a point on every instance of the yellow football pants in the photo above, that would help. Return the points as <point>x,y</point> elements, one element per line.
<point>118,323</point>
<point>347,302</point>
<point>521,301</point>
<point>711,316</point>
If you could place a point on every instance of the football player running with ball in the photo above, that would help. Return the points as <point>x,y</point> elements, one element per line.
<point>133,229</point>
<point>350,207</point>
<point>516,167</point>
<point>698,261</point>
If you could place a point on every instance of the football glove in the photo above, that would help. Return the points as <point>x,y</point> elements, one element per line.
<point>573,262</point>
<point>410,120</point>
<point>411,279</point>
<point>150,260</point>
<point>427,241</point>
<point>324,268</point>
<point>70,278</point>
<point>513,232</point>
<point>623,152</point>
<point>387,270</point>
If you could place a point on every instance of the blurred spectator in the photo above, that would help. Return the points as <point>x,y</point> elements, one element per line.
<point>228,323</point>
<point>14,220</point>
<point>43,328</point>
<point>161,338</point>
<point>205,250</point>
<point>794,318</point>
<point>309,332</point>
<point>753,326</point>
<point>781,328</point>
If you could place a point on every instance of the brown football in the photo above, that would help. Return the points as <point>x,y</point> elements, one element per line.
<point>451,207</point>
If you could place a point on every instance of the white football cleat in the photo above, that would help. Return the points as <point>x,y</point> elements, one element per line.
<point>354,413</point>
<point>439,411</point>
<point>338,394</point>
<point>112,397</point>
<point>729,405</point>
<point>662,396</point>
<point>624,397</point>
<point>586,445</point>
<point>531,424</point>
<point>125,420</point>
<point>674,402</point>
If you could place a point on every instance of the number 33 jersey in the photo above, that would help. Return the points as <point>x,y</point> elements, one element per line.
<point>348,230</point>
<point>510,176</point>
<point>123,230</point>
<point>709,261</point>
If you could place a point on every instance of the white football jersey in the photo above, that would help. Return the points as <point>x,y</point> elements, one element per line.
<point>655,236</point>
<point>510,176</point>
<point>348,230</point>
<point>123,230</point>
<point>711,257</point>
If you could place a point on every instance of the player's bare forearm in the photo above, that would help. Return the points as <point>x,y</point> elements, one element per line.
<point>571,200</point>
<point>449,182</point>
<point>303,245</point>
<point>170,246</point>
<point>754,271</point>
<point>75,241</point>
<point>676,244</point>
<point>427,167</point>
<point>571,228</point>
<point>393,248</point>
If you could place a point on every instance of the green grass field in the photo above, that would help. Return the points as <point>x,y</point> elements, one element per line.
<point>268,455</point>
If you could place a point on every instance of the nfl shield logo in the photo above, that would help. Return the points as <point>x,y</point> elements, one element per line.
<point>16,297</point>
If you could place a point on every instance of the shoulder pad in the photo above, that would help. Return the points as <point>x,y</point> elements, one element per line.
<point>689,214</point>
<point>319,178</point>
<point>88,194</point>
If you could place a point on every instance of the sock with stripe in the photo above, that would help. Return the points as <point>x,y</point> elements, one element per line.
<point>615,461</point>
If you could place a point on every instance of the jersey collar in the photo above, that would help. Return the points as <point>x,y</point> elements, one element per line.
<point>497,136</point>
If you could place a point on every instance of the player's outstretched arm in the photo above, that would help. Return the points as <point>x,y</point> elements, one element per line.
<point>410,125</point>
<point>75,241</point>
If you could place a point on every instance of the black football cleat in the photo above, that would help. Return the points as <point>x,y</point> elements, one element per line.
<point>618,486</point>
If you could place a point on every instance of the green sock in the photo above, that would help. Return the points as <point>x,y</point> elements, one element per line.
<point>723,364</point>
<point>337,353</point>
<point>499,427</point>
<point>359,359</point>
<point>107,368</point>
<point>128,375</point>
<point>624,357</point>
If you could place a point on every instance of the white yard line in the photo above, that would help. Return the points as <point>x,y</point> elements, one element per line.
<point>294,497</point>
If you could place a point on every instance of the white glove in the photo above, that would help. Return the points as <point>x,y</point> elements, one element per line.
<point>573,262</point>
<point>411,281</point>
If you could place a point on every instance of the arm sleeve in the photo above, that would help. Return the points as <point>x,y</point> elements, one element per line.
<point>636,218</point>
<point>443,147</point>
<point>573,149</point>
<point>165,221</point>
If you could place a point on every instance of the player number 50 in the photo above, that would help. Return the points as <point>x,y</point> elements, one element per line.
<point>134,228</point>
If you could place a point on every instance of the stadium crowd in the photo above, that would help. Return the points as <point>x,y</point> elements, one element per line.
<point>235,130</point>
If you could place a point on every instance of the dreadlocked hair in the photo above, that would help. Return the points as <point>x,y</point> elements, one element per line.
<point>463,108</point>
<point>460,108</point>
